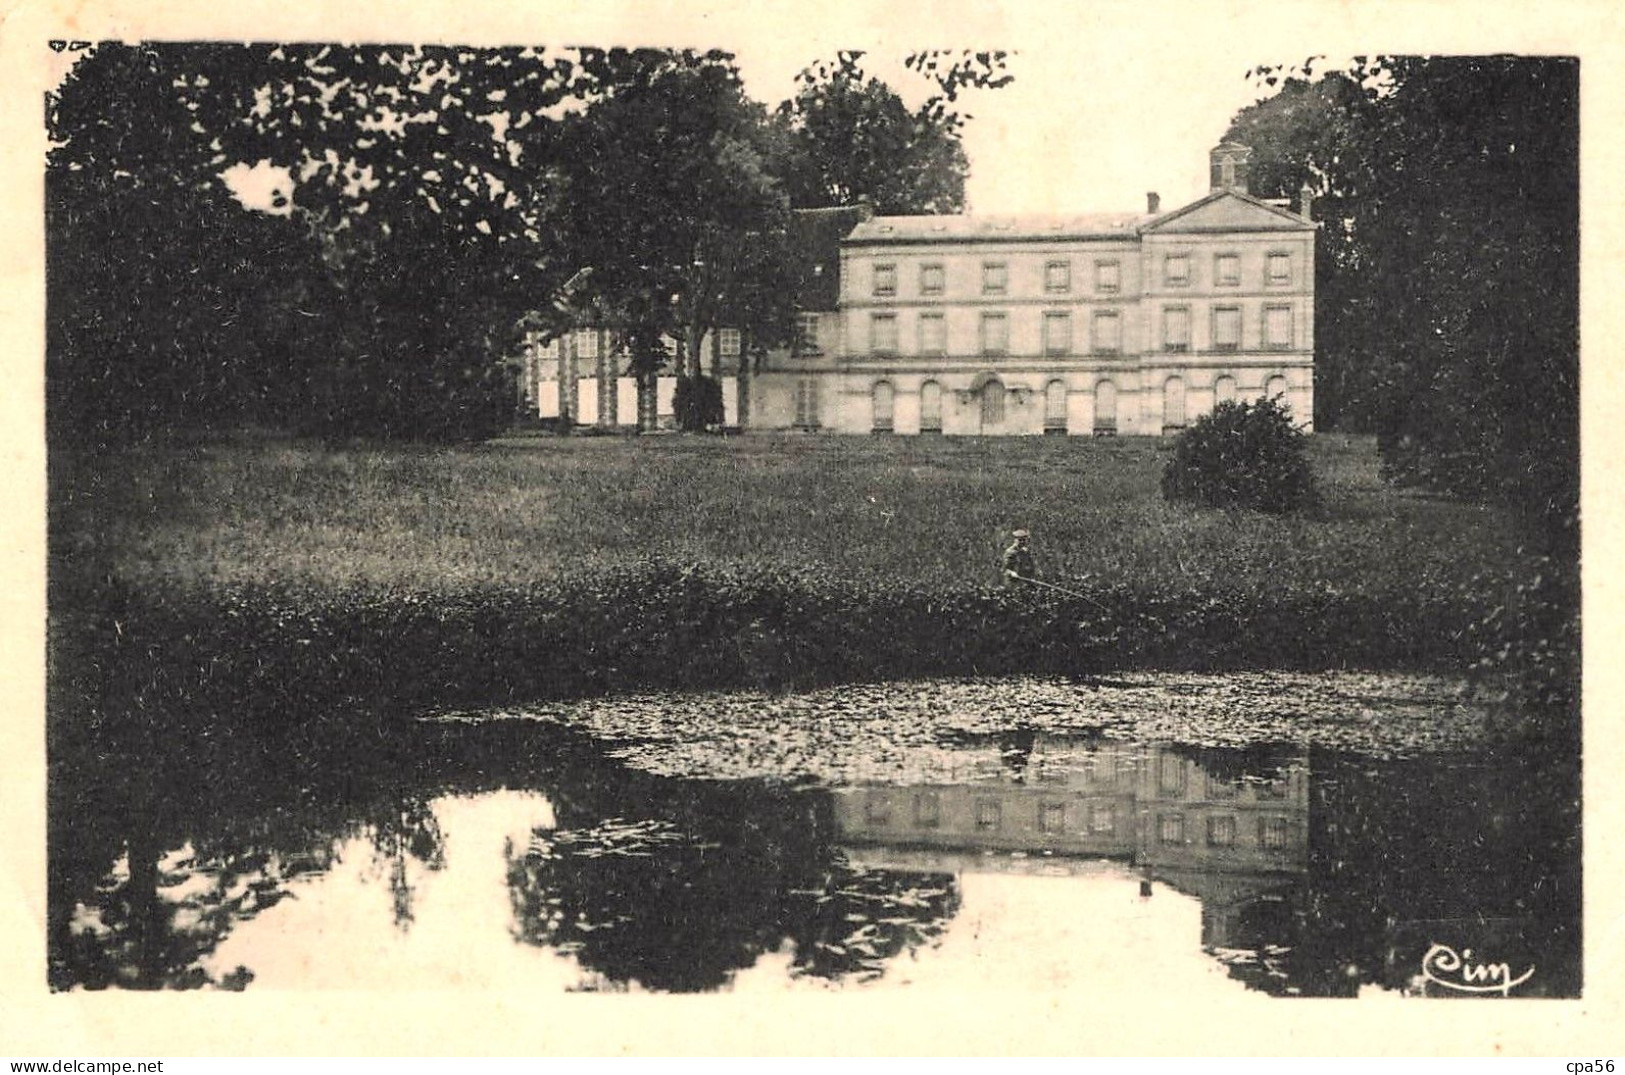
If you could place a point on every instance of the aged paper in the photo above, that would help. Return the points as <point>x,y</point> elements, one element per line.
<point>1098,40</point>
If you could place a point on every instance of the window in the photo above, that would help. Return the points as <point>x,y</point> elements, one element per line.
<point>1224,390</point>
<point>883,398</point>
<point>1278,327</point>
<point>1108,331</point>
<point>994,277</point>
<point>1171,828</point>
<point>550,349</point>
<point>1106,276</point>
<point>807,334</point>
<point>885,280</point>
<point>729,342</point>
<point>1102,818</point>
<point>1273,833</point>
<point>1055,407</point>
<point>1176,270</point>
<point>1221,831</point>
<point>1227,328</point>
<point>1058,277</point>
<point>807,403</point>
<point>1170,774</point>
<point>1274,388</point>
<point>927,812</point>
<point>989,814</point>
<point>1219,788</point>
<point>883,334</point>
<point>1057,333</point>
<point>1280,269</point>
<point>930,407</point>
<point>586,341</point>
<point>1105,409</point>
<point>1226,270</point>
<point>877,811</point>
<point>995,334</point>
<point>933,334</point>
<point>1052,817</point>
<point>1176,328</point>
<point>1173,405</point>
<point>931,280</point>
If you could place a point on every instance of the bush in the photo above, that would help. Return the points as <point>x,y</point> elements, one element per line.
<point>698,404</point>
<point>1246,455</point>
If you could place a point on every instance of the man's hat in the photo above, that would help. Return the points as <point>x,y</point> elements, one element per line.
<point>1019,533</point>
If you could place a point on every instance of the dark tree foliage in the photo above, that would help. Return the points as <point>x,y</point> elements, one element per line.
<point>674,204</point>
<point>1243,455</point>
<point>1447,273</point>
<point>415,234</point>
<point>850,136</point>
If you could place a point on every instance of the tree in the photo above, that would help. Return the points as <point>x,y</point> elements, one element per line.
<point>421,223</point>
<point>1447,265</point>
<point>849,136</point>
<point>672,200</point>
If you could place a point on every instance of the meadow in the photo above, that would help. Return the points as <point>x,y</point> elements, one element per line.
<point>285,575</point>
<point>867,511</point>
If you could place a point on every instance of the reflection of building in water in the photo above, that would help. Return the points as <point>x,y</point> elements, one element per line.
<point>1227,828</point>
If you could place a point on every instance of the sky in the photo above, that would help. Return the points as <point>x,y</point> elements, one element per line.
<point>1109,100</point>
<point>1057,141</point>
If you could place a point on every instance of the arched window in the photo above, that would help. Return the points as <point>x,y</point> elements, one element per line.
<point>992,403</point>
<point>882,397</point>
<point>1277,387</point>
<point>1055,407</point>
<point>1105,409</point>
<point>930,407</point>
<point>1173,405</point>
<point>1224,390</point>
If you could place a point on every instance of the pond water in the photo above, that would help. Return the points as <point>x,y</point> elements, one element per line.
<point>554,852</point>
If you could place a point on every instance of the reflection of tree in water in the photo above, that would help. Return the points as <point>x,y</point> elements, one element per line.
<point>154,858</point>
<point>702,879</point>
<point>864,917</point>
<point>1409,852</point>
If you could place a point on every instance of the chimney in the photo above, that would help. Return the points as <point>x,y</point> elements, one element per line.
<point>1306,201</point>
<point>866,208</point>
<point>1227,167</point>
<point>1153,202</point>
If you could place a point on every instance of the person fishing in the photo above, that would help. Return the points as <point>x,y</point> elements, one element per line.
<point>1018,569</point>
<point>1018,560</point>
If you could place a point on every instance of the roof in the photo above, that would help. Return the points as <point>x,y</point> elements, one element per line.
<point>1208,214</point>
<point>976,228</point>
<point>818,234</point>
<point>1031,227</point>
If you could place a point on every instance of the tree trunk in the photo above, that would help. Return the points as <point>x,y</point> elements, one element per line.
<point>742,406</point>
<point>648,402</point>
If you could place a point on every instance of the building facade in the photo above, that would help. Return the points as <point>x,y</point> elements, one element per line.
<point>1083,325</point>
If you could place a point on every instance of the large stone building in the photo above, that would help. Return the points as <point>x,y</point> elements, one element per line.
<point>1084,325</point>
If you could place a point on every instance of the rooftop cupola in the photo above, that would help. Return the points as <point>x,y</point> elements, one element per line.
<point>1228,164</point>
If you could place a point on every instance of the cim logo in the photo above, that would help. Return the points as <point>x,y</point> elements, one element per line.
<point>1449,969</point>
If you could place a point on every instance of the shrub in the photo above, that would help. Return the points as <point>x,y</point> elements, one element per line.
<point>1246,455</point>
<point>697,404</point>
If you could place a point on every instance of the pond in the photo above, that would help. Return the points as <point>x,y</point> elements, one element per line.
<point>1195,834</point>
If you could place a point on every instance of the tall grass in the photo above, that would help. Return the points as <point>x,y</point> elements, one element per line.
<point>283,578</point>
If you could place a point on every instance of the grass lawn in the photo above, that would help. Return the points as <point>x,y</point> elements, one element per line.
<point>931,512</point>
<point>275,581</point>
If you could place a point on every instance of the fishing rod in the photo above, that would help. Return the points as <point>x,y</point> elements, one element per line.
<point>1060,589</point>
